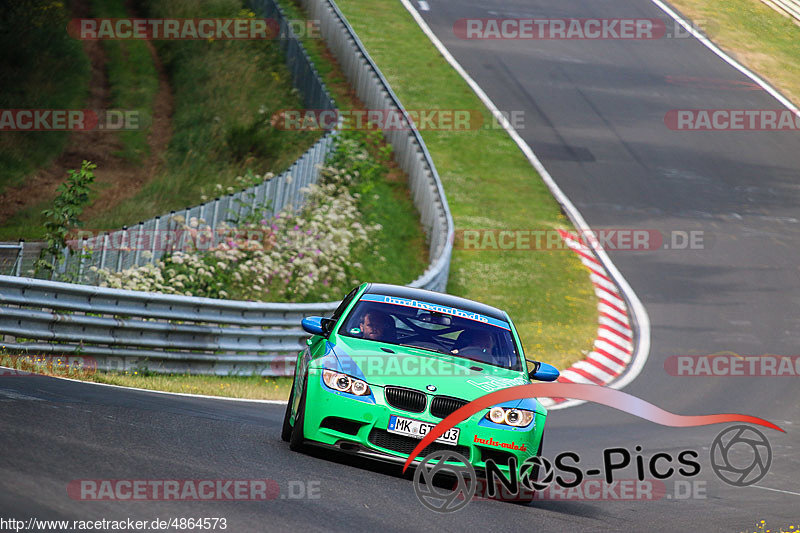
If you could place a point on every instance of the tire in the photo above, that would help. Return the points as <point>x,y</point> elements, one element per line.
<point>539,454</point>
<point>297,438</point>
<point>286,430</point>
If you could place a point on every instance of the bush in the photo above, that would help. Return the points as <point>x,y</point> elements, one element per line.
<point>301,254</point>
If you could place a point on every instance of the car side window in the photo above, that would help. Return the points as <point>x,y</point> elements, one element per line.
<point>342,306</point>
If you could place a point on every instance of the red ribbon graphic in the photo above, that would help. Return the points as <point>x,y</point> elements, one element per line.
<point>590,393</point>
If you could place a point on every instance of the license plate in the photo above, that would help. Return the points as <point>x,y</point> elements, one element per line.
<point>418,429</point>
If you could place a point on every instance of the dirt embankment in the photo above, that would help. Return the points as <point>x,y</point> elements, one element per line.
<point>117,178</point>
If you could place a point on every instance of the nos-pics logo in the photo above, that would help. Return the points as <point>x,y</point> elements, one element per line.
<point>445,481</point>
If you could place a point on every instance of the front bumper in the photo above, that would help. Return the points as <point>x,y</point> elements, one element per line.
<point>359,427</point>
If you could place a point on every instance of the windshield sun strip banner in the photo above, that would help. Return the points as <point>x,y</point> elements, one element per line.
<point>417,304</point>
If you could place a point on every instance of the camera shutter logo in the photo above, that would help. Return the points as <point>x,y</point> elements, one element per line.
<point>733,463</point>
<point>440,499</point>
<point>536,473</point>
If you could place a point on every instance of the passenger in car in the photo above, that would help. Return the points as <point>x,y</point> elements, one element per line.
<point>378,326</point>
<point>474,343</point>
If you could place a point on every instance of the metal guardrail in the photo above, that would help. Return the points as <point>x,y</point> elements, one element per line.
<point>125,330</point>
<point>11,257</point>
<point>789,7</point>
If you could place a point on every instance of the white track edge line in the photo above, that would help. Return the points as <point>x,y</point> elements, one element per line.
<point>725,57</point>
<point>637,309</point>
<point>776,490</point>
<point>185,394</point>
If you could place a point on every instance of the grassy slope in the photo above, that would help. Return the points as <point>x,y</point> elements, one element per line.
<point>133,84</point>
<point>219,88</point>
<point>489,184</point>
<point>42,68</point>
<point>755,34</point>
<point>132,79</point>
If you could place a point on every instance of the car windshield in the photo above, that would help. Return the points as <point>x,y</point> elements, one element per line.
<point>446,330</point>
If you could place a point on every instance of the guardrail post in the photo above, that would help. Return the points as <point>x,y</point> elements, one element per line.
<point>216,214</point>
<point>170,223</point>
<point>157,237</point>
<point>105,251</point>
<point>80,259</point>
<point>137,254</point>
<point>121,247</point>
<point>20,255</point>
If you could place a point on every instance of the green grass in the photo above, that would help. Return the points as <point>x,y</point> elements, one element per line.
<point>132,80</point>
<point>27,223</point>
<point>399,253</point>
<point>755,34</point>
<point>251,387</point>
<point>133,83</point>
<point>42,68</point>
<point>489,184</point>
<point>401,242</point>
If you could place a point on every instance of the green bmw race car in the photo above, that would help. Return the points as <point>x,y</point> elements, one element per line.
<point>393,361</point>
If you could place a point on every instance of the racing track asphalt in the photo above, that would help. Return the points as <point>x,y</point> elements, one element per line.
<point>594,115</point>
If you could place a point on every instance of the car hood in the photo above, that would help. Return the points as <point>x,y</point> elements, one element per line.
<point>384,365</point>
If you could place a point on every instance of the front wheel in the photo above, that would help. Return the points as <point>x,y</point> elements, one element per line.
<point>286,430</point>
<point>535,474</point>
<point>298,438</point>
<point>527,497</point>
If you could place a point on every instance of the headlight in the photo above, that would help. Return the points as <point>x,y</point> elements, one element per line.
<point>359,388</point>
<point>497,415</point>
<point>510,417</point>
<point>344,383</point>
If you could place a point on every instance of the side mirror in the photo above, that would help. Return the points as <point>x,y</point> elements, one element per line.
<point>313,325</point>
<point>328,325</point>
<point>543,372</point>
<point>316,325</point>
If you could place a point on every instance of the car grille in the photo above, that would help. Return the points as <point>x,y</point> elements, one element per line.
<point>498,456</point>
<point>405,399</point>
<point>443,406</point>
<point>405,445</point>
